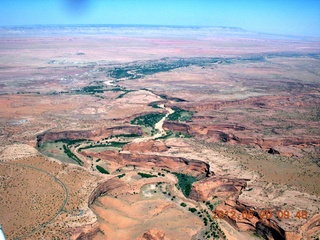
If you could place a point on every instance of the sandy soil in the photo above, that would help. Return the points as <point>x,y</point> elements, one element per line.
<point>43,88</point>
<point>128,216</point>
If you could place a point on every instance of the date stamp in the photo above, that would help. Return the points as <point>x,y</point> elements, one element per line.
<point>262,214</point>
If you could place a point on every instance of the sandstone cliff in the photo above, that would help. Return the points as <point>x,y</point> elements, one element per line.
<point>106,187</point>
<point>88,134</point>
<point>286,146</point>
<point>192,167</point>
<point>146,146</point>
<point>153,234</point>
<point>299,100</point>
<point>85,233</point>
<point>216,186</point>
<point>230,189</point>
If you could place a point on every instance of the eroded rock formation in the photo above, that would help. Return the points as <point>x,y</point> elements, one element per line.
<point>246,219</point>
<point>146,146</point>
<point>286,146</point>
<point>238,213</point>
<point>174,126</point>
<point>88,134</point>
<point>153,234</point>
<point>230,189</point>
<point>86,232</point>
<point>262,102</point>
<point>177,164</point>
<point>311,227</point>
<point>216,186</point>
<point>106,187</point>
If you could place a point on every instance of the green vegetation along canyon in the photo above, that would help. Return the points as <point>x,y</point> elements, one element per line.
<point>137,133</point>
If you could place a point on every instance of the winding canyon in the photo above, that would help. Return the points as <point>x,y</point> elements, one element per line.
<point>135,133</point>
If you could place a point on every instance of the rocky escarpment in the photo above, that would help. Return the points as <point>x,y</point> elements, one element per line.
<point>146,146</point>
<point>262,121</point>
<point>153,234</point>
<point>238,134</point>
<point>208,130</point>
<point>216,186</point>
<point>233,133</point>
<point>311,227</point>
<point>300,100</point>
<point>88,134</point>
<point>230,189</point>
<point>174,126</point>
<point>267,228</point>
<point>245,218</point>
<point>192,167</point>
<point>106,187</point>
<point>87,232</point>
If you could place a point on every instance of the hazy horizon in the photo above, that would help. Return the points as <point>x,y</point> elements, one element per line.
<point>295,17</point>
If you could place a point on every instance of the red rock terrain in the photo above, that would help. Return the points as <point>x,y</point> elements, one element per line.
<point>243,91</point>
<point>88,134</point>
<point>230,189</point>
<point>177,164</point>
<point>241,135</point>
<point>147,146</point>
<point>153,234</point>
<point>245,130</point>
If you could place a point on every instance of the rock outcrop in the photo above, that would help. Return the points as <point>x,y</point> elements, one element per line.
<point>286,151</point>
<point>146,146</point>
<point>236,134</point>
<point>85,233</point>
<point>106,187</point>
<point>311,227</point>
<point>247,218</point>
<point>300,100</point>
<point>238,131</point>
<point>192,167</point>
<point>216,186</point>
<point>174,126</point>
<point>230,190</point>
<point>153,234</point>
<point>88,134</point>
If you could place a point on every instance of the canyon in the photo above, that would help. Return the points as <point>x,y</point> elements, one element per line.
<point>152,136</point>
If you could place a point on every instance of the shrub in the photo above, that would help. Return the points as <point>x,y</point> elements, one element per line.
<point>121,175</point>
<point>102,170</point>
<point>146,175</point>
<point>129,135</point>
<point>185,183</point>
<point>192,210</point>
<point>183,204</point>
<point>148,120</point>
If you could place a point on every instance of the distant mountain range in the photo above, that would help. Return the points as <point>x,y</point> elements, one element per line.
<point>135,31</point>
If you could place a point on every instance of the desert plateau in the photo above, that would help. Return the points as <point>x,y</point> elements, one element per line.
<point>158,133</point>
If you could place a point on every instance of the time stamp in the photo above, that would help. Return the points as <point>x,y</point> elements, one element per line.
<point>263,214</point>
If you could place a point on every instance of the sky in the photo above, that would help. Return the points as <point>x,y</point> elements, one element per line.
<point>287,17</point>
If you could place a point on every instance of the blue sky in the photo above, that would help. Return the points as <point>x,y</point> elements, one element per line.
<point>293,17</point>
